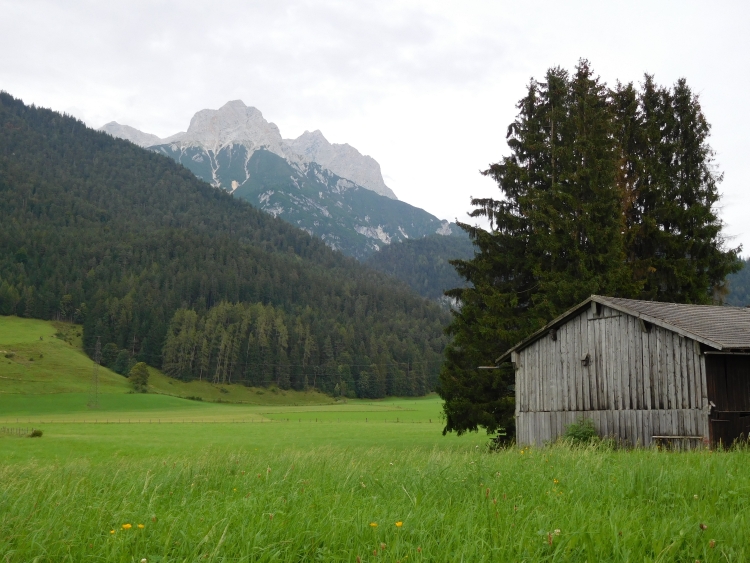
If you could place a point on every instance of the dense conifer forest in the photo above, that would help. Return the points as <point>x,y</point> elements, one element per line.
<point>424,263</point>
<point>163,268</point>
<point>739,286</point>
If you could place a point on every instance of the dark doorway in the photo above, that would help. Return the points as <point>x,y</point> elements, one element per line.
<point>728,379</point>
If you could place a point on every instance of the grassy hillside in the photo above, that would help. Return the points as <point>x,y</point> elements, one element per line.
<point>45,358</point>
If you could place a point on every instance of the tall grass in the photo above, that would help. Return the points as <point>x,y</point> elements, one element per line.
<point>553,504</point>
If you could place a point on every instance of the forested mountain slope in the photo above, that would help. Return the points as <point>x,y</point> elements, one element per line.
<point>143,253</point>
<point>424,264</point>
<point>739,286</point>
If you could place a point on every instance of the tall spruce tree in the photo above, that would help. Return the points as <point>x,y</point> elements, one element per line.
<point>577,226</point>
<point>605,191</point>
<point>673,231</point>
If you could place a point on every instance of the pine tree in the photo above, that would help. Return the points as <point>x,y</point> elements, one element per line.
<point>673,234</point>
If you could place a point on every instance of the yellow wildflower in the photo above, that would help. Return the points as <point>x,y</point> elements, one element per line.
<point>555,481</point>
<point>111,531</point>
<point>373,524</point>
<point>141,526</point>
<point>399,524</point>
<point>127,526</point>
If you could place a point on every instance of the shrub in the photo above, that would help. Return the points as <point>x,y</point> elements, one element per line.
<point>582,431</point>
<point>36,433</point>
<point>139,377</point>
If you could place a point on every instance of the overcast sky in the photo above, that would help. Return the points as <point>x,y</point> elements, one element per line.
<point>427,88</point>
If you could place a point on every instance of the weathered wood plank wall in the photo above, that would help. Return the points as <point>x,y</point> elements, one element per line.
<point>633,381</point>
<point>635,427</point>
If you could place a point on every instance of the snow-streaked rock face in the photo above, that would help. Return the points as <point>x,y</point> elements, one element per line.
<point>130,134</point>
<point>235,124</point>
<point>377,233</point>
<point>444,229</point>
<point>344,160</point>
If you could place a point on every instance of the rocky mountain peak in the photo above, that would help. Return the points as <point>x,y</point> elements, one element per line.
<point>232,123</point>
<point>238,126</point>
<point>343,160</point>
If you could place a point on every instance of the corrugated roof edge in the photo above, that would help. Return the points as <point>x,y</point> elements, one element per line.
<point>604,301</point>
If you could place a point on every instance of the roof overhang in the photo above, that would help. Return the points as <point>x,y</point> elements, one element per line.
<point>562,319</point>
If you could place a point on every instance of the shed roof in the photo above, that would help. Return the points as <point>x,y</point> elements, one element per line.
<point>720,327</point>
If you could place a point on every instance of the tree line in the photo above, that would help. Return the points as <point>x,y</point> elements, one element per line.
<point>261,345</point>
<point>607,190</point>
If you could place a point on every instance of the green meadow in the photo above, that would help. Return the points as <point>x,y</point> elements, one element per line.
<point>285,476</point>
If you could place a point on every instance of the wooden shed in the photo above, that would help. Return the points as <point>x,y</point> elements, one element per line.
<point>642,371</point>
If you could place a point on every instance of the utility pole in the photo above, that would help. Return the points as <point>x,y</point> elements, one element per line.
<point>94,391</point>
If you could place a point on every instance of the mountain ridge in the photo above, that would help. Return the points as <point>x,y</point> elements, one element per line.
<point>130,134</point>
<point>237,123</point>
<point>341,159</point>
